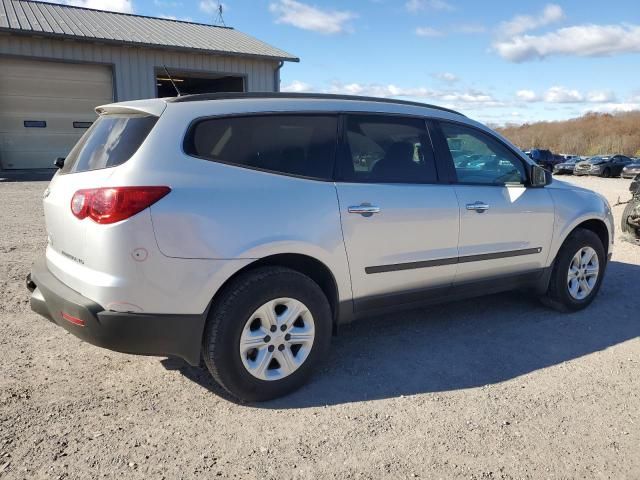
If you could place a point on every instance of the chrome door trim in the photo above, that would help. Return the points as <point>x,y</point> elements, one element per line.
<point>452,260</point>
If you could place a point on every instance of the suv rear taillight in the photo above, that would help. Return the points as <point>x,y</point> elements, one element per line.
<point>113,204</point>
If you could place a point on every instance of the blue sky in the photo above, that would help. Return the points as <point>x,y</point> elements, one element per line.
<point>497,61</point>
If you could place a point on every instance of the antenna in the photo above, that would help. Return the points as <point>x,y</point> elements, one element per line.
<point>220,19</point>
<point>171,80</point>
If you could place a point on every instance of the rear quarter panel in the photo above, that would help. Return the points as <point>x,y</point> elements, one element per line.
<point>217,211</point>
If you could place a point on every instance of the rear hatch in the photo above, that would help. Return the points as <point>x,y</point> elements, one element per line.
<point>110,142</point>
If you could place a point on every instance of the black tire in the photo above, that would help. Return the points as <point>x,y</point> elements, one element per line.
<point>231,310</point>
<point>633,204</point>
<point>606,173</point>
<point>558,295</point>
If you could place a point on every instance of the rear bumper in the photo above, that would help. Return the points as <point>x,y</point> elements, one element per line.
<point>142,334</point>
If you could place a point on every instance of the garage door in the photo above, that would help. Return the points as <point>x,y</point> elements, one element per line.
<point>45,107</point>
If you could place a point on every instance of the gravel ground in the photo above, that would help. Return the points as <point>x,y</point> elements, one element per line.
<point>497,387</point>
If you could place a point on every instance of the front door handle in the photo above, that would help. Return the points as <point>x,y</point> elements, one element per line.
<point>479,207</point>
<point>365,209</point>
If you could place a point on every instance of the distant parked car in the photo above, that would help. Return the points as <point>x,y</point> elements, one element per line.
<point>602,166</point>
<point>631,170</point>
<point>545,158</point>
<point>566,167</point>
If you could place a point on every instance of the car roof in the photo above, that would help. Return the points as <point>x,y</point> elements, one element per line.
<point>202,97</point>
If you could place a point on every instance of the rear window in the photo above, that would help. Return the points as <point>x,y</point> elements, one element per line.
<point>110,141</point>
<point>301,145</point>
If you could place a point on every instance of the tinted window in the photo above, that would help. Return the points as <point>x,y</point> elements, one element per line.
<point>386,149</point>
<point>292,144</point>
<point>109,142</point>
<point>478,158</point>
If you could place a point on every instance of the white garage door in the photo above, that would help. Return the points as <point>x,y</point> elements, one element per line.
<point>45,107</point>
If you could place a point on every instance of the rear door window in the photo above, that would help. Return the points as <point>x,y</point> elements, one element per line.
<point>302,145</point>
<point>109,142</point>
<point>387,149</point>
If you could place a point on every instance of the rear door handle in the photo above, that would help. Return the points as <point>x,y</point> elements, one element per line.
<point>478,206</point>
<point>365,209</point>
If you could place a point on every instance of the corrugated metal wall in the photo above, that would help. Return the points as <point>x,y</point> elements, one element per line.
<point>134,68</point>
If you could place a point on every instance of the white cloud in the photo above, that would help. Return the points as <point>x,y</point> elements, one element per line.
<point>614,107</point>
<point>563,95</point>
<point>472,96</point>
<point>582,40</point>
<point>166,4</point>
<point>560,94</point>
<point>601,96</point>
<point>451,98</point>
<point>417,5</point>
<point>465,29</point>
<point>297,87</point>
<point>173,17</point>
<point>522,23</point>
<point>470,28</point>
<point>446,77</point>
<point>209,7</point>
<point>308,17</point>
<point>428,32</point>
<point>527,95</point>
<point>123,6</point>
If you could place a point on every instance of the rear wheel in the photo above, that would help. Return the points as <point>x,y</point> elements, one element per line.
<point>577,272</point>
<point>266,333</point>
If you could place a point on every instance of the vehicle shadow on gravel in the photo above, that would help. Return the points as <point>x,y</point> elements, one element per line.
<point>460,345</point>
<point>34,175</point>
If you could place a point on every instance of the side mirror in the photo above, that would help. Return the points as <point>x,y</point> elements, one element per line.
<point>540,177</point>
<point>59,163</point>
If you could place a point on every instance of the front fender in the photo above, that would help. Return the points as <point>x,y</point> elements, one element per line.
<point>573,208</point>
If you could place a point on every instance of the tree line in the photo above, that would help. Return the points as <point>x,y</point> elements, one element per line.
<point>591,134</point>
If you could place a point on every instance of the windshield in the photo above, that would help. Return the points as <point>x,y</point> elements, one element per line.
<point>111,141</point>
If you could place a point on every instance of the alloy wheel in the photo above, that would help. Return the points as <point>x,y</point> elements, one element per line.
<point>277,339</point>
<point>583,273</point>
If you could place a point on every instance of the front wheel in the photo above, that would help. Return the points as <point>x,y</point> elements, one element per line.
<point>606,173</point>
<point>578,271</point>
<point>266,333</point>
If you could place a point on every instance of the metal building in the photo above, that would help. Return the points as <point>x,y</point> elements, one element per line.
<point>58,62</point>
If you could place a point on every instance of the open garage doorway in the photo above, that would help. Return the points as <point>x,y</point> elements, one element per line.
<point>196,82</point>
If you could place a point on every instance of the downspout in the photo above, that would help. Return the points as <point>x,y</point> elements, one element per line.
<point>276,77</point>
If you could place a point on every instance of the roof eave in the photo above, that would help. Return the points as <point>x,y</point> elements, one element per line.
<point>65,36</point>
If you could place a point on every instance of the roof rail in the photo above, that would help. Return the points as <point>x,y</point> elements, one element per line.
<point>282,95</point>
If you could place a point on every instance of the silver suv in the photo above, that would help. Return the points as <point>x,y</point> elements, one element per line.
<point>244,229</point>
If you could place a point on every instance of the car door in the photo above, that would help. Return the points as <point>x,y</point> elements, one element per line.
<point>400,225</point>
<point>506,226</point>
<point>619,162</point>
